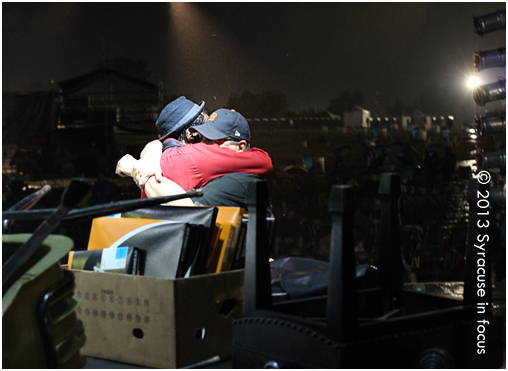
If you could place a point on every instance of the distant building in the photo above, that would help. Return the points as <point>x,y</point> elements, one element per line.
<point>108,96</point>
<point>333,116</point>
<point>405,121</point>
<point>357,118</point>
<point>421,120</point>
<point>78,125</point>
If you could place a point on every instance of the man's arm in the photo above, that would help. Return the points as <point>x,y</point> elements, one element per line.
<point>166,187</point>
<point>148,164</point>
<point>125,165</point>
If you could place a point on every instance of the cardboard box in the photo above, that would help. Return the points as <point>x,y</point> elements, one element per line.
<point>159,322</point>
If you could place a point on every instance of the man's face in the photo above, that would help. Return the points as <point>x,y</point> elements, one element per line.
<point>192,136</point>
<point>228,143</point>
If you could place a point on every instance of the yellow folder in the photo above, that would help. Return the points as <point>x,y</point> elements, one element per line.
<point>106,230</point>
<point>229,220</point>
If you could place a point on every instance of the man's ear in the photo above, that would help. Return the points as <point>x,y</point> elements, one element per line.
<point>242,145</point>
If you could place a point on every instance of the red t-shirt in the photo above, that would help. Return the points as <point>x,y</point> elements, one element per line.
<point>194,165</point>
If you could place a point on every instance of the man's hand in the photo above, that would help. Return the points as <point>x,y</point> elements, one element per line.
<point>143,169</point>
<point>148,165</point>
<point>125,165</point>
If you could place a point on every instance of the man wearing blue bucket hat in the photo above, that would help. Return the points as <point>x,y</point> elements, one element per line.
<point>178,116</point>
<point>172,124</point>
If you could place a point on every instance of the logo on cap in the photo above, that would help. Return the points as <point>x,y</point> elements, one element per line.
<point>237,133</point>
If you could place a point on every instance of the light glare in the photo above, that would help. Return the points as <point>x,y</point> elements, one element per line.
<point>474,82</point>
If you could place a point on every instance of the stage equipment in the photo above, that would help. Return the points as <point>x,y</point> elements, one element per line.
<point>16,264</point>
<point>490,124</point>
<point>490,160</point>
<point>498,196</point>
<point>490,22</point>
<point>25,204</point>
<point>100,210</point>
<point>388,326</point>
<point>40,326</point>
<point>491,92</point>
<point>489,59</point>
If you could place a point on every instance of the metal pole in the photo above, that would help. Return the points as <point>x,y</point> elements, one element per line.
<point>257,287</point>
<point>341,306</point>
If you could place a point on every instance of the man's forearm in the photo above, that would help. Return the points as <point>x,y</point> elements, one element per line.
<point>152,150</point>
<point>166,188</point>
<point>149,164</point>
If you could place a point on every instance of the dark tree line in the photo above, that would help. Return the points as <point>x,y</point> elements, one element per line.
<point>345,101</point>
<point>268,103</point>
<point>274,104</point>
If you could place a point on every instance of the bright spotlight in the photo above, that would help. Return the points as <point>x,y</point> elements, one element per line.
<point>474,82</point>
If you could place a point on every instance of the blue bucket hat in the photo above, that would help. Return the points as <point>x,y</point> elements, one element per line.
<point>176,116</point>
<point>225,123</point>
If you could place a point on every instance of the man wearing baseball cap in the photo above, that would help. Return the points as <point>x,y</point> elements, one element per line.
<point>224,129</point>
<point>193,166</point>
<point>224,150</point>
<point>225,124</point>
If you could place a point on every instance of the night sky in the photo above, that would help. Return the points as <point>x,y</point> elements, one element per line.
<point>416,52</point>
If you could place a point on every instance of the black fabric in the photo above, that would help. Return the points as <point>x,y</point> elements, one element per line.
<point>164,247</point>
<point>228,190</point>
<point>201,216</point>
<point>169,143</point>
<point>27,116</point>
<point>196,215</point>
<point>303,277</point>
<point>300,277</point>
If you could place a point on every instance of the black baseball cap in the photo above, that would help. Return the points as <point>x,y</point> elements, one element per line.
<point>225,123</point>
